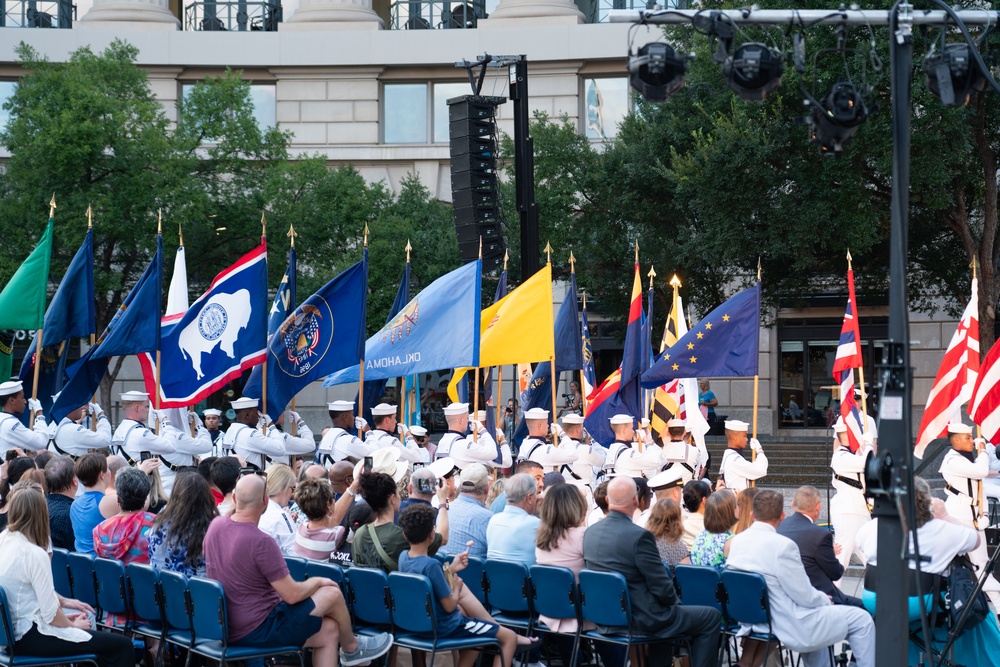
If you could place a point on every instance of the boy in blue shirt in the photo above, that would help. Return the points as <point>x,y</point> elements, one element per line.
<point>417,522</point>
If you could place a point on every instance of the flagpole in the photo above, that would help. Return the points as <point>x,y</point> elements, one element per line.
<point>552,359</point>
<point>361,362</point>
<point>475,386</point>
<point>979,435</point>
<point>38,336</point>
<point>93,336</point>
<point>267,345</point>
<point>156,404</point>
<point>647,395</point>
<point>294,429</point>
<point>180,245</point>
<point>499,393</point>
<point>756,393</point>
<point>861,368</point>
<point>583,384</point>
<point>402,398</point>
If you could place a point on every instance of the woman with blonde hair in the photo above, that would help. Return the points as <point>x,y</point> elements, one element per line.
<point>667,528</point>
<point>711,547</point>
<point>744,509</point>
<point>40,627</point>
<point>276,521</point>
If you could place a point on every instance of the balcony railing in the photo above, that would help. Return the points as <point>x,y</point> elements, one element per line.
<point>435,14</point>
<point>603,7</point>
<point>35,14</point>
<point>233,16</point>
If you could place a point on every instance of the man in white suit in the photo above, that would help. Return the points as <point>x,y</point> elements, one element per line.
<point>803,618</point>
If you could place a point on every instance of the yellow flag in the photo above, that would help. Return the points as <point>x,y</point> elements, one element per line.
<point>518,328</point>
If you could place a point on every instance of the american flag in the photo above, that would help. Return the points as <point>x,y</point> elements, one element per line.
<point>955,379</point>
<point>848,358</point>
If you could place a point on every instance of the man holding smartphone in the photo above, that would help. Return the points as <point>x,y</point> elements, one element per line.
<point>14,436</point>
<point>423,486</point>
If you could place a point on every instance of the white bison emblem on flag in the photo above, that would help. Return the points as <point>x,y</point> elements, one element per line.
<point>218,324</point>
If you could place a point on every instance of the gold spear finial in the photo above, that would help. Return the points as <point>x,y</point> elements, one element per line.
<point>506,256</point>
<point>572,262</point>
<point>584,298</point>
<point>974,265</point>
<point>675,282</point>
<point>548,252</point>
<point>366,234</point>
<point>159,221</point>
<point>651,274</point>
<point>408,249</point>
<point>180,234</point>
<point>52,206</point>
<point>637,250</point>
<point>758,268</point>
<point>480,247</point>
<point>291,234</point>
<point>90,217</point>
<point>263,224</point>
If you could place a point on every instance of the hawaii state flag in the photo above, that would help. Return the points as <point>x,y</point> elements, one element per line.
<point>848,358</point>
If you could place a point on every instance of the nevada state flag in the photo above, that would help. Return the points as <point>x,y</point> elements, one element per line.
<point>222,334</point>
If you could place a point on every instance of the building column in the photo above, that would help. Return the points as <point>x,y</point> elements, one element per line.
<point>141,14</point>
<point>333,15</point>
<point>545,12</point>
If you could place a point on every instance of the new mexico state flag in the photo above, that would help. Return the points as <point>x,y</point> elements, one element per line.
<point>518,328</point>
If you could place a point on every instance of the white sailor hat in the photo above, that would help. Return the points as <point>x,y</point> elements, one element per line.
<point>132,396</point>
<point>622,419</point>
<point>418,431</point>
<point>536,413</point>
<point>443,467</point>
<point>11,387</point>
<point>479,416</point>
<point>676,423</point>
<point>572,418</point>
<point>340,406</point>
<point>456,409</point>
<point>383,409</point>
<point>840,427</point>
<point>737,425</point>
<point>958,427</point>
<point>212,412</point>
<point>667,479</point>
<point>244,403</point>
<point>386,460</point>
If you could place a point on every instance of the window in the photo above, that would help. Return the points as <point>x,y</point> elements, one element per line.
<point>263,98</point>
<point>417,113</point>
<point>6,90</point>
<point>605,103</point>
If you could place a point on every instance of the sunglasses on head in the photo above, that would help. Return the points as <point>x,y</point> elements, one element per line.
<point>252,471</point>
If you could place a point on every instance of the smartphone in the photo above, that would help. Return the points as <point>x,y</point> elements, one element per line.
<point>418,466</point>
<point>11,454</point>
<point>144,456</point>
<point>426,486</point>
<point>369,464</point>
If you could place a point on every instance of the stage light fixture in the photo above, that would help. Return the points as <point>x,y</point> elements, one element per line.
<point>834,120</point>
<point>656,71</point>
<point>952,74</point>
<point>754,70</point>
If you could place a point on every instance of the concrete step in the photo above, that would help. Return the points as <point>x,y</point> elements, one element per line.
<point>791,461</point>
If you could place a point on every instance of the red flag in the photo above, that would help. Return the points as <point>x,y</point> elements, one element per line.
<point>955,379</point>
<point>985,403</point>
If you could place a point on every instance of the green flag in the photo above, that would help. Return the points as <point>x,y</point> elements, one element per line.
<point>22,301</point>
<point>6,349</point>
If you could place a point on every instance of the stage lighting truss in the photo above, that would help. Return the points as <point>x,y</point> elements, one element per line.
<point>655,70</point>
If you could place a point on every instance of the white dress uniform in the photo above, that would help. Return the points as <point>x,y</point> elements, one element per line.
<point>961,472</point>
<point>14,434</point>
<point>72,439</point>
<point>848,507</point>
<point>872,427</point>
<point>187,449</point>
<point>737,471</point>
<point>132,437</point>
<point>553,458</point>
<point>409,450</point>
<point>255,447</point>
<point>295,445</point>
<point>679,455</point>
<point>465,450</point>
<point>647,463</point>
<point>338,444</point>
<point>991,485</point>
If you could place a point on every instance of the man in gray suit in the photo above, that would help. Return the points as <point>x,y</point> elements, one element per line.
<point>618,545</point>
<point>804,619</point>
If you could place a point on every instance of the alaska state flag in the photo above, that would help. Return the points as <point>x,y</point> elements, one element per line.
<point>134,329</point>
<point>723,344</point>
<point>438,328</point>
<point>325,334</point>
<point>220,335</point>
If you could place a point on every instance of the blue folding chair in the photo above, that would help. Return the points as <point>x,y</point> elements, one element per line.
<point>414,618</point>
<point>702,586</point>
<point>112,593</point>
<point>81,577</point>
<point>60,572</point>
<point>605,601</point>
<point>176,610</point>
<point>368,593</point>
<point>146,599</point>
<point>10,658</point>
<point>508,592</point>
<point>473,576</point>
<point>211,627</point>
<point>747,602</point>
<point>297,567</point>
<point>555,595</point>
<point>318,568</point>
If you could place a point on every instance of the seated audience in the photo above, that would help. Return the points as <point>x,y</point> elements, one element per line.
<point>317,537</point>
<point>694,496</point>
<point>600,509</point>
<point>15,470</point>
<point>665,525</point>
<point>510,535</point>
<point>744,509</point>
<point>125,536</point>
<point>276,521</point>
<point>176,541</point>
<point>306,471</point>
<point>423,485</point>
<point>225,472</point>
<point>711,547</point>
<point>469,515</point>
<point>62,486</point>
<point>85,512</point>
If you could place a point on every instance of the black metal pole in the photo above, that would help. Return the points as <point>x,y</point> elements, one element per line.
<point>895,436</point>
<point>524,171</point>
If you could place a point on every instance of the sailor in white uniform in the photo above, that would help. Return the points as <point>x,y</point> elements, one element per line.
<point>736,471</point>
<point>536,446</point>
<point>466,448</point>
<point>175,427</point>
<point>13,434</point>
<point>572,435</point>
<point>848,507</point>
<point>213,424</point>
<point>680,455</point>
<point>386,434</point>
<point>299,444</point>
<point>73,439</point>
<point>624,456</point>
<point>134,441</point>
<point>962,467</point>
<point>243,437</point>
<point>340,441</point>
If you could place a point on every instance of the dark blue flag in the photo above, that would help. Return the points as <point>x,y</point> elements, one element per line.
<point>324,334</point>
<point>723,344</point>
<point>491,414</point>
<point>70,315</point>
<point>134,329</point>
<point>569,357</point>
<point>284,298</point>
<point>375,388</point>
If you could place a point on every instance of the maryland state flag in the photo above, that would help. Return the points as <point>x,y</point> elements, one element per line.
<point>665,399</point>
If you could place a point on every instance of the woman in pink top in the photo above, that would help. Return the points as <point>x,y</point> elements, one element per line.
<point>317,536</point>
<point>559,540</point>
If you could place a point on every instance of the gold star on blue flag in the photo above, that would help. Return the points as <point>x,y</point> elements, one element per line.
<point>723,344</point>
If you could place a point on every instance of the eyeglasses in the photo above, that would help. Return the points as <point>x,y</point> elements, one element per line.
<point>252,471</point>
